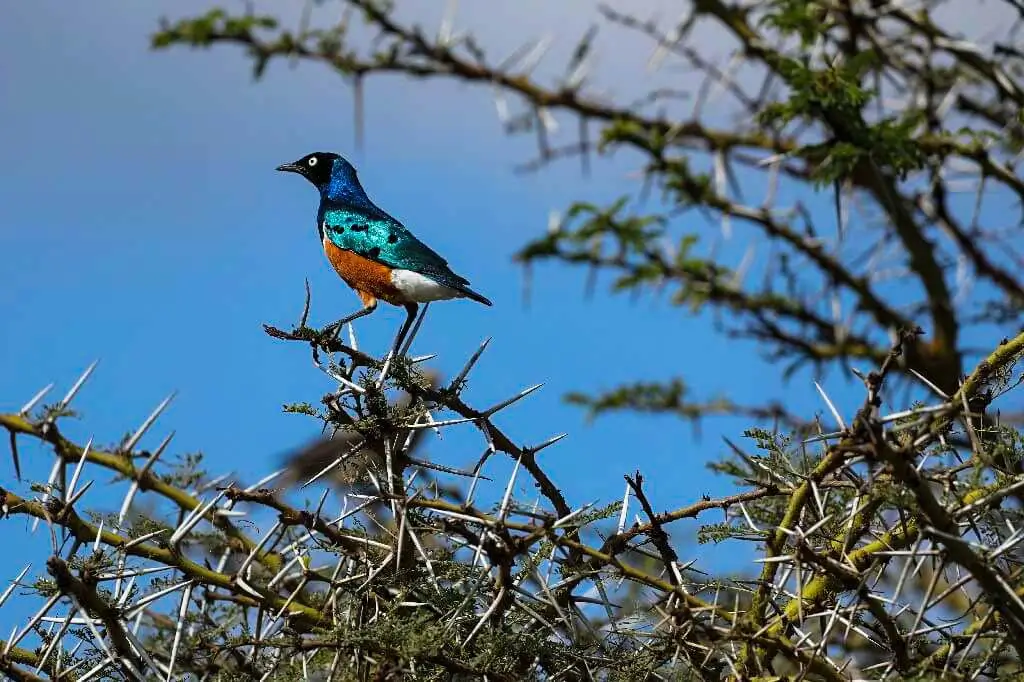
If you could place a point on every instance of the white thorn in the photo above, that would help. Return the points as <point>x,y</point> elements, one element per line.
<point>133,441</point>
<point>624,511</point>
<point>140,475</point>
<point>831,407</point>
<point>78,469</point>
<point>550,441</point>
<point>77,385</point>
<point>34,400</point>
<point>14,583</point>
<point>469,365</point>
<point>505,403</point>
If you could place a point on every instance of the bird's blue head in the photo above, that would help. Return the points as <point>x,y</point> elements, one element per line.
<point>331,174</point>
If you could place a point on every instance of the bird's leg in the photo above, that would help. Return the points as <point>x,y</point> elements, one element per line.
<point>407,343</point>
<point>410,310</point>
<point>332,330</point>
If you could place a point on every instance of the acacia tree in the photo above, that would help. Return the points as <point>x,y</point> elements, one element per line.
<point>888,542</point>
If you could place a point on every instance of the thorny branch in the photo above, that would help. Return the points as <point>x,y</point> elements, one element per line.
<point>475,573</point>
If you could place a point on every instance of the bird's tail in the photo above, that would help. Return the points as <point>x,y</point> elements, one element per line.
<point>449,279</point>
<point>469,293</point>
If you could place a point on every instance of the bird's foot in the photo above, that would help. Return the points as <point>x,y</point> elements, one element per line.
<point>331,331</point>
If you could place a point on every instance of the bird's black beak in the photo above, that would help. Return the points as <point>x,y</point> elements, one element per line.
<point>290,168</point>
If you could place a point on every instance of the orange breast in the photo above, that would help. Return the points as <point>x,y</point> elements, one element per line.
<point>366,276</point>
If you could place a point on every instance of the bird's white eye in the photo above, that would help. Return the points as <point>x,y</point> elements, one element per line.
<point>312,161</point>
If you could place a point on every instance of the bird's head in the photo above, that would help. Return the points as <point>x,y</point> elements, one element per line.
<point>330,173</point>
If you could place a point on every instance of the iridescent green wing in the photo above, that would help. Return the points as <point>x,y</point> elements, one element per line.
<point>375,235</point>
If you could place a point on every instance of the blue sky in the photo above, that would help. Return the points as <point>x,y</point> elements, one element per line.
<point>142,223</point>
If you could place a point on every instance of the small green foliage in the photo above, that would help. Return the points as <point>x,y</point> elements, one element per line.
<point>200,31</point>
<point>835,95</point>
<point>302,408</point>
<point>51,413</point>
<point>669,397</point>
<point>720,532</point>
<point>588,518</point>
<point>1004,447</point>
<point>624,233</point>
<point>46,587</point>
<point>808,20</point>
<point>185,472</point>
<point>771,442</point>
<point>145,524</point>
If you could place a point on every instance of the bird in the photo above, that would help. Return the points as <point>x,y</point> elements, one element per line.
<point>373,252</point>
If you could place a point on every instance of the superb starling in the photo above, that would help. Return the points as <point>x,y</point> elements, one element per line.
<point>373,252</point>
